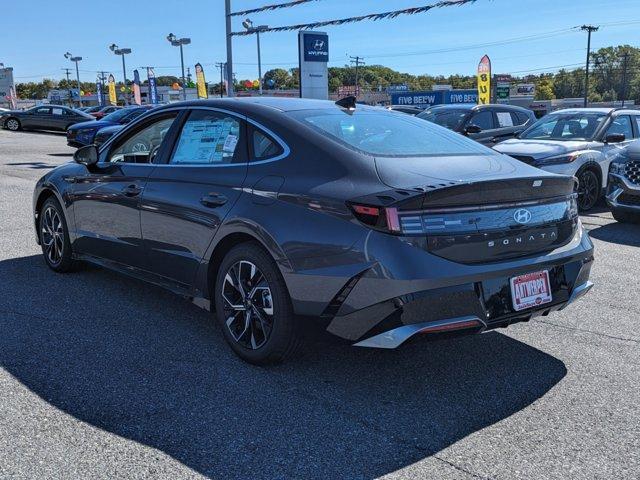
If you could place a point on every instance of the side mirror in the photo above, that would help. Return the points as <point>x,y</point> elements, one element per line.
<point>472,129</point>
<point>614,138</point>
<point>87,155</point>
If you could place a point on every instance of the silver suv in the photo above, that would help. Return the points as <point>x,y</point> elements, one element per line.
<point>580,142</point>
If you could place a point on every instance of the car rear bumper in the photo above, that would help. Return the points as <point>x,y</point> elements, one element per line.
<point>622,194</point>
<point>453,304</point>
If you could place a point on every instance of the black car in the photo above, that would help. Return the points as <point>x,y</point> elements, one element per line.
<point>46,117</point>
<point>487,124</point>
<point>292,217</point>
<point>405,109</point>
<point>623,190</point>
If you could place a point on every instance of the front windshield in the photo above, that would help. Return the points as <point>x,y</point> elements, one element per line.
<point>118,115</point>
<point>386,133</point>
<point>450,119</point>
<point>565,126</point>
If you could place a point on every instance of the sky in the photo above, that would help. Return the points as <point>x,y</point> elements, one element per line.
<point>35,34</point>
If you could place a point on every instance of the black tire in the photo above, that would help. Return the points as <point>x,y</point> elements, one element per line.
<point>12,124</point>
<point>589,189</point>
<point>626,217</point>
<point>54,237</point>
<point>253,334</point>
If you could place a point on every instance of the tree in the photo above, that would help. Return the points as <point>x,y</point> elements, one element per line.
<point>544,89</point>
<point>281,78</point>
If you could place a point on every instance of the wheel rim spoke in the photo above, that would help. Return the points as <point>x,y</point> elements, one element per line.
<point>248,306</point>
<point>52,235</point>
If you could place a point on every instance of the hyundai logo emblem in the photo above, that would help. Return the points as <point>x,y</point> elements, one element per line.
<point>522,216</point>
<point>318,45</point>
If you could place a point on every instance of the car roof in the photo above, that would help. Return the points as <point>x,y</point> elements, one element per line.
<point>585,110</point>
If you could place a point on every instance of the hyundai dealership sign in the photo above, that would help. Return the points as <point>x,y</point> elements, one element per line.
<point>313,55</point>
<point>434,97</point>
<point>6,83</point>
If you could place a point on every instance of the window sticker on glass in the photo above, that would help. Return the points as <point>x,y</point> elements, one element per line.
<point>207,141</point>
<point>504,119</point>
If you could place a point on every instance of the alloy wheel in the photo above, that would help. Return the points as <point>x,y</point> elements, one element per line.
<point>52,235</point>
<point>13,124</point>
<point>587,190</point>
<point>248,305</point>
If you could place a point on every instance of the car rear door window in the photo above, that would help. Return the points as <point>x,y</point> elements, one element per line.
<point>637,120</point>
<point>263,146</point>
<point>505,119</point>
<point>208,138</point>
<point>483,119</point>
<point>621,124</point>
<point>519,118</point>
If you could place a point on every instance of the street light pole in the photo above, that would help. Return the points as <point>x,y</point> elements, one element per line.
<point>179,42</point>
<point>122,52</point>
<point>248,24</point>
<point>69,56</point>
<point>227,13</point>
<point>589,29</point>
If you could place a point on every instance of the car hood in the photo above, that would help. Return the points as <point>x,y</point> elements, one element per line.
<point>96,124</point>
<point>111,129</point>
<point>539,149</point>
<point>412,172</point>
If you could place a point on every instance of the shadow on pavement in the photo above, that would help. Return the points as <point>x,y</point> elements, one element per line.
<point>148,366</point>
<point>70,154</point>
<point>34,165</point>
<point>620,233</point>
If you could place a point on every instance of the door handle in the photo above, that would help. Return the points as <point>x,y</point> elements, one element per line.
<point>131,190</point>
<point>213,200</point>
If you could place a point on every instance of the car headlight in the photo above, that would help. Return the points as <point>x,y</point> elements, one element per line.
<point>617,168</point>
<point>559,159</point>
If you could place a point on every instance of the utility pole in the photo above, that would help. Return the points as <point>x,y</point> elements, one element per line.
<point>625,60</point>
<point>67,71</point>
<point>357,61</point>
<point>588,29</point>
<point>227,13</point>
<point>221,66</point>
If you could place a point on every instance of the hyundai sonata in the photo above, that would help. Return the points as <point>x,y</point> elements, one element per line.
<point>289,217</point>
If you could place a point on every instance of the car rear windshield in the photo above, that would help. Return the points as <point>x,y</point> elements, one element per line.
<point>381,132</point>
<point>565,126</point>
<point>446,118</point>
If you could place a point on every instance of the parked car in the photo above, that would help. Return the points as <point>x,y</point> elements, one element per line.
<point>84,133</point>
<point>105,134</point>
<point>293,216</point>
<point>405,109</point>
<point>487,124</point>
<point>623,191</point>
<point>579,142</point>
<point>45,117</point>
<point>104,111</point>
<point>93,109</point>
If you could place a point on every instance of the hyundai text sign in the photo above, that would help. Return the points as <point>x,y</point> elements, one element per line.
<point>316,47</point>
<point>313,55</point>
<point>417,99</point>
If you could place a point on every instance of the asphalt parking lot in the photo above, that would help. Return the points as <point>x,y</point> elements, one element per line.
<point>102,376</point>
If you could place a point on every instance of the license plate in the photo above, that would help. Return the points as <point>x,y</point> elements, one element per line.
<point>530,290</point>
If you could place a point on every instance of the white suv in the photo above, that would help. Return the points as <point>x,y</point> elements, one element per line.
<point>580,142</point>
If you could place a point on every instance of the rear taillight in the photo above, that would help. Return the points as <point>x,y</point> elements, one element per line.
<point>380,218</point>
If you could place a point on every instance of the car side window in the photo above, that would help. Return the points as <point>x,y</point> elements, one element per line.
<point>483,119</point>
<point>263,146</point>
<point>57,111</point>
<point>519,118</point>
<point>143,145</point>
<point>621,124</point>
<point>208,138</point>
<point>43,111</point>
<point>505,119</point>
<point>637,120</point>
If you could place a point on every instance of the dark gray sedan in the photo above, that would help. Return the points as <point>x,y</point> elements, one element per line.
<point>44,117</point>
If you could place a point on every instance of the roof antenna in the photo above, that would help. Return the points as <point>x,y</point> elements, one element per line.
<point>347,102</point>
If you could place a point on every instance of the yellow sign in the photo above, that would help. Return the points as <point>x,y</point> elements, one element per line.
<point>112,90</point>
<point>484,81</point>
<point>200,82</point>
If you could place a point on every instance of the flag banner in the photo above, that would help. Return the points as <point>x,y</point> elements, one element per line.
<point>113,100</point>
<point>484,80</point>
<point>153,87</point>
<point>200,82</point>
<point>372,16</point>
<point>137,97</point>
<point>99,93</point>
<point>271,7</point>
<point>12,98</point>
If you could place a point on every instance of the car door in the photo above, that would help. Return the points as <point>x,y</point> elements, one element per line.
<point>106,199</point>
<point>187,199</point>
<point>484,119</point>
<point>38,118</point>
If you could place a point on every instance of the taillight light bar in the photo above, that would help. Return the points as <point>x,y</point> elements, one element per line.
<point>380,218</point>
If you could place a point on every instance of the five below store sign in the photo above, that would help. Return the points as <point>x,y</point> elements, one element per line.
<point>428,98</point>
